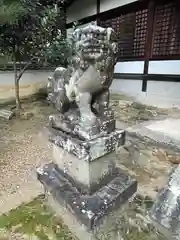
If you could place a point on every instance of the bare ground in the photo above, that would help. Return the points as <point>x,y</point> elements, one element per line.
<point>8,92</point>
<point>22,149</point>
<point>150,164</point>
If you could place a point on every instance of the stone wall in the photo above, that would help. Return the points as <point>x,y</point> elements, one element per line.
<point>32,81</point>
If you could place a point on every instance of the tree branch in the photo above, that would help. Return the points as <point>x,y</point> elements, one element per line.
<point>14,63</point>
<point>24,69</point>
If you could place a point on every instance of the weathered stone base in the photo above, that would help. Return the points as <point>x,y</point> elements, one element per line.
<point>87,150</point>
<point>88,210</point>
<point>107,230</point>
<point>89,176</point>
<point>166,209</point>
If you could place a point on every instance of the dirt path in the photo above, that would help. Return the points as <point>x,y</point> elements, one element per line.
<point>21,150</point>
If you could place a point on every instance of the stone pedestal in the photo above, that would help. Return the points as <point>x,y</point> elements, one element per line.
<point>88,175</point>
<point>165,212</point>
<point>83,179</point>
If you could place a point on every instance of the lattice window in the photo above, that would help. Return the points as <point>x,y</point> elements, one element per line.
<point>140,32</point>
<point>131,30</point>
<point>166,37</point>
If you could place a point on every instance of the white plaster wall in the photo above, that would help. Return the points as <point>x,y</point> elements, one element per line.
<point>29,77</point>
<point>30,83</point>
<point>81,9</point>
<point>163,89</point>
<point>159,101</point>
<point>106,5</point>
<point>164,67</point>
<point>128,86</point>
<point>161,94</point>
<point>129,67</point>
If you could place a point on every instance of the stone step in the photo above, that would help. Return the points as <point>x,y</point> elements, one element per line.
<point>88,210</point>
<point>6,114</point>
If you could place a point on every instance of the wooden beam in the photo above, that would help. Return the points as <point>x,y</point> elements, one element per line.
<point>148,77</point>
<point>98,2</point>
<point>149,39</point>
<point>115,12</point>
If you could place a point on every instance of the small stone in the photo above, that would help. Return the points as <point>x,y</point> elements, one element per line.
<point>145,115</point>
<point>159,183</point>
<point>124,104</point>
<point>26,115</point>
<point>174,159</point>
<point>164,156</point>
<point>160,154</point>
<point>114,103</point>
<point>138,106</point>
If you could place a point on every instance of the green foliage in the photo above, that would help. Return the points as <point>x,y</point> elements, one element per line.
<point>11,11</point>
<point>34,219</point>
<point>59,52</point>
<point>29,30</point>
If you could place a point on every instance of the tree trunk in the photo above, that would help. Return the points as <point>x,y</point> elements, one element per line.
<point>18,103</point>
<point>16,82</point>
<point>17,77</point>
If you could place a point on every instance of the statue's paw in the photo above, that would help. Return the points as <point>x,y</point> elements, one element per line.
<point>55,120</point>
<point>89,119</point>
<point>87,131</point>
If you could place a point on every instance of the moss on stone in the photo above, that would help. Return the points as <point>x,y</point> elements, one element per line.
<point>36,222</point>
<point>34,219</point>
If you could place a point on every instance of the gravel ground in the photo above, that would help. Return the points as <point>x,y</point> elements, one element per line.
<point>21,150</point>
<point>132,113</point>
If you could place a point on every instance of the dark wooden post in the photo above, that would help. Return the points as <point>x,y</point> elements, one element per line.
<point>148,44</point>
<point>98,2</point>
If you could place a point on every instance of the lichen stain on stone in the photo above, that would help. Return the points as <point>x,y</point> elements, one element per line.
<point>89,82</point>
<point>85,128</point>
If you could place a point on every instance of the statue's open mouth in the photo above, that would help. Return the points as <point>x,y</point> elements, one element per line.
<point>94,49</point>
<point>93,43</point>
<point>94,52</point>
<point>92,55</point>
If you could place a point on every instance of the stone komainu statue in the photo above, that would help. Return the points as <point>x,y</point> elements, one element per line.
<point>82,98</point>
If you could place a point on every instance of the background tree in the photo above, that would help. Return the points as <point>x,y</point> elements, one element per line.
<point>29,32</point>
<point>11,11</point>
